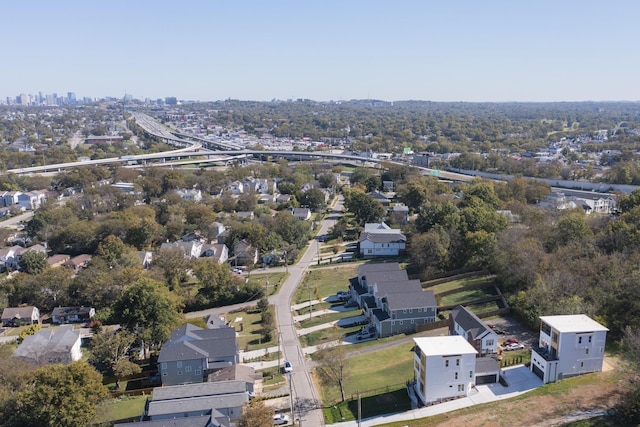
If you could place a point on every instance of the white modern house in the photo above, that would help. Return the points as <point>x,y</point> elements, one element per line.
<point>378,239</point>
<point>569,345</point>
<point>444,368</point>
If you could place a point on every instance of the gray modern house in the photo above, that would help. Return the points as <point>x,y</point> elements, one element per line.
<point>193,353</point>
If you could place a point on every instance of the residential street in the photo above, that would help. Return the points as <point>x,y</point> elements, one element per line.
<point>306,402</point>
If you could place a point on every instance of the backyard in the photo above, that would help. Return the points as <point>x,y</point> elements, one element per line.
<point>327,281</point>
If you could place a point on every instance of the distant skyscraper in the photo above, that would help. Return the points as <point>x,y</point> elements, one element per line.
<point>40,99</point>
<point>23,99</point>
<point>71,97</point>
<point>171,100</point>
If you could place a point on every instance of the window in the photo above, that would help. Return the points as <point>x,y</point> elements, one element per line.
<point>457,362</point>
<point>401,322</point>
<point>589,338</point>
<point>198,371</point>
<point>455,376</point>
<point>460,387</point>
<point>164,365</point>
<point>489,342</point>
<point>187,368</point>
<point>470,374</point>
<point>587,351</point>
<point>446,363</point>
<point>179,364</point>
<point>579,340</point>
<point>582,364</point>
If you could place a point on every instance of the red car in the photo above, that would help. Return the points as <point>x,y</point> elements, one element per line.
<point>509,341</point>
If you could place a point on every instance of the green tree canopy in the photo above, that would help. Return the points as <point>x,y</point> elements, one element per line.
<point>149,310</point>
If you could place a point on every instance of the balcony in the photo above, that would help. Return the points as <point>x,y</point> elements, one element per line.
<point>545,353</point>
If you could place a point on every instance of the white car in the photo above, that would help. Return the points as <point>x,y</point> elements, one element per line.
<point>287,367</point>
<point>280,419</point>
<point>514,346</point>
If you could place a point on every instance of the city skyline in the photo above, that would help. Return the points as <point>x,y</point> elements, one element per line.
<point>439,51</point>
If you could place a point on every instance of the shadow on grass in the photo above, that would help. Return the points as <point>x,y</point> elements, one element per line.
<point>380,404</point>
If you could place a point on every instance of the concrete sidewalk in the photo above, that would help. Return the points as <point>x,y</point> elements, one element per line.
<point>520,381</point>
<point>336,309</point>
<point>342,323</point>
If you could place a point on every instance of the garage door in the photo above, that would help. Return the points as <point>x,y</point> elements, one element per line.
<point>486,379</point>
<point>538,372</point>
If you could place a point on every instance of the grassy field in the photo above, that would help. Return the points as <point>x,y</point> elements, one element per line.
<point>378,404</point>
<point>247,324</point>
<point>275,280</point>
<point>457,284</point>
<point>390,367</point>
<point>120,408</point>
<point>315,307</point>
<point>327,281</point>
<point>466,296</point>
<point>331,317</point>
<point>326,335</point>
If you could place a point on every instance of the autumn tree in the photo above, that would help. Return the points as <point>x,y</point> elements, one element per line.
<point>57,395</point>
<point>256,414</point>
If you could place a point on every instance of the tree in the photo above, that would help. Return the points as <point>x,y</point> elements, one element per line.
<point>109,350</point>
<point>148,310</point>
<point>173,264</point>
<point>33,262</point>
<point>256,414</point>
<point>313,199</point>
<point>116,253</point>
<point>216,282</point>
<point>332,367</point>
<point>58,395</point>
<point>365,209</point>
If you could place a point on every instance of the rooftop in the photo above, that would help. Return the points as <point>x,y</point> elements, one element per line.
<point>444,346</point>
<point>573,323</point>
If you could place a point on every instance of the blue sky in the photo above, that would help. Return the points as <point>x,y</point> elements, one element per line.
<point>325,50</point>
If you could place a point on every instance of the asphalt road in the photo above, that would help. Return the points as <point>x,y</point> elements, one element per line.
<point>306,402</point>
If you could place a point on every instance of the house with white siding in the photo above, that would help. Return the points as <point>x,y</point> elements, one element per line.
<point>381,240</point>
<point>568,345</point>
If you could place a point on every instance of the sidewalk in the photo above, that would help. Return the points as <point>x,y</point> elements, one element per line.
<point>520,380</point>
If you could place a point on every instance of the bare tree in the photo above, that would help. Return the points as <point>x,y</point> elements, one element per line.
<point>256,414</point>
<point>332,367</point>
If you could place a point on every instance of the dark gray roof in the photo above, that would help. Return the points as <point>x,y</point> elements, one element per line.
<point>469,321</point>
<point>190,342</point>
<point>198,390</point>
<point>369,301</point>
<point>371,267</point>
<point>199,421</point>
<point>386,276</point>
<point>70,311</point>
<point>18,312</point>
<point>420,299</point>
<point>196,404</point>
<point>383,237</point>
<point>399,286</point>
<point>486,365</point>
<point>381,315</point>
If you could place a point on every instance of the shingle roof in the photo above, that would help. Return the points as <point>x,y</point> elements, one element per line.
<point>196,404</point>
<point>190,342</point>
<point>420,299</point>
<point>196,421</point>
<point>363,269</point>
<point>401,286</point>
<point>386,276</point>
<point>18,312</point>
<point>469,321</point>
<point>381,315</point>
<point>383,237</point>
<point>198,390</point>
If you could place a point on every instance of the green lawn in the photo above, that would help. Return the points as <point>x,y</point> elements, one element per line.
<point>466,296</point>
<point>275,280</point>
<point>457,284</point>
<point>394,400</point>
<point>120,408</point>
<point>326,335</point>
<point>328,281</point>
<point>315,307</point>
<point>247,324</point>
<point>390,367</point>
<point>318,320</point>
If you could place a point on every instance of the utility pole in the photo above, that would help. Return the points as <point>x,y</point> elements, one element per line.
<point>359,409</point>
<point>309,303</point>
<point>291,395</point>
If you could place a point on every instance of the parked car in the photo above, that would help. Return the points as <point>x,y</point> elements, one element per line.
<point>365,334</point>
<point>514,346</point>
<point>287,367</point>
<point>510,341</point>
<point>344,296</point>
<point>280,419</point>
